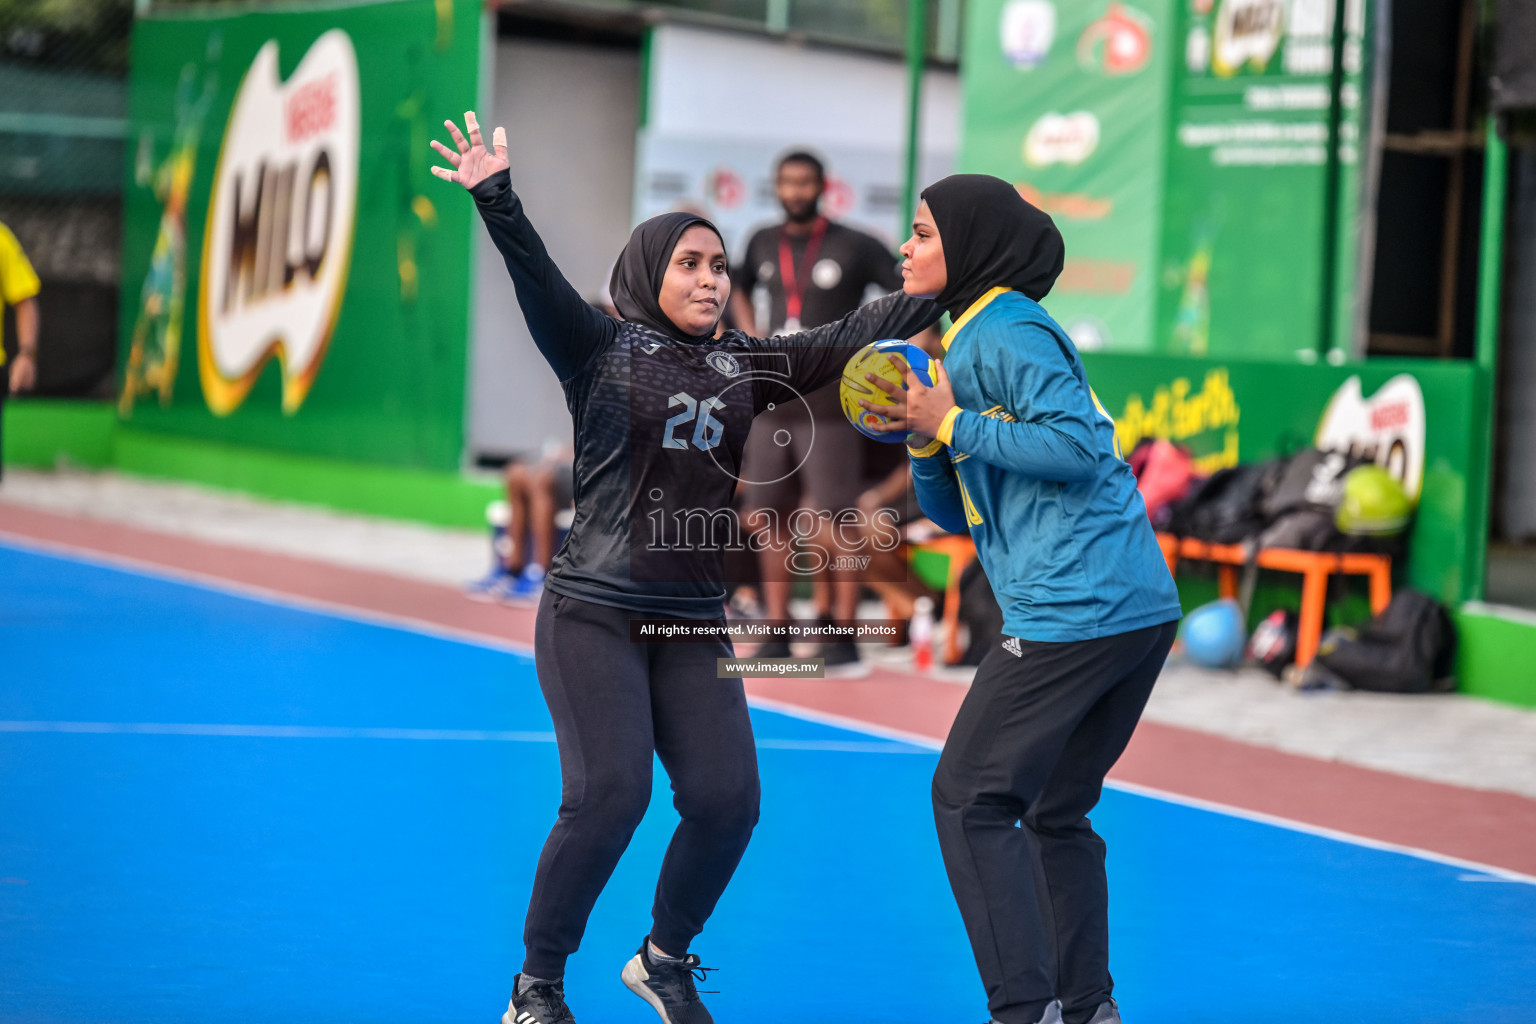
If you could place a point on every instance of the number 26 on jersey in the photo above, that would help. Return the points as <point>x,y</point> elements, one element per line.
<point>706,432</point>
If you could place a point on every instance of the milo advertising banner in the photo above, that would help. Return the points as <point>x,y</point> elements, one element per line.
<point>1069,101</point>
<point>1255,205</point>
<point>294,277</point>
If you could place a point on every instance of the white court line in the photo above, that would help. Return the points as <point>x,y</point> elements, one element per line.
<point>927,743</point>
<point>1501,874</point>
<point>287,732</point>
<point>155,571</point>
<point>1488,872</point>
<point>264,595</point>
<point>327,732</point>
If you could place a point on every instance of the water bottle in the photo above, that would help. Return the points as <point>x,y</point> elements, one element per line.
<point>498,515</point>
<point>920,633</point>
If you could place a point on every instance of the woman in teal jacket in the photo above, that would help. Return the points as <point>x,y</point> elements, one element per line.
<point>1012,445</point>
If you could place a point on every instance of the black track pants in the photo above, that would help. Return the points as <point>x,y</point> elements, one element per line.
<point>1032,743</point>
<point>614,704</point>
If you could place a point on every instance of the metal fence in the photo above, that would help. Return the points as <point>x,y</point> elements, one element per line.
<point>63,128</point>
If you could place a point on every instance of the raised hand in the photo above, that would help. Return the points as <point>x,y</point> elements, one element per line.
<point>472,163</point>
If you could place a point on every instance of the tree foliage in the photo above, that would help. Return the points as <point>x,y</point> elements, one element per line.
<point>88,35</point>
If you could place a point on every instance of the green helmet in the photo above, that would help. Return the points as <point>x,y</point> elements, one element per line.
<point>1374,504</point>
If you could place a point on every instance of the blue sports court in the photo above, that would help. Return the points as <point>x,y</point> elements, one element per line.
<point>215,807</point>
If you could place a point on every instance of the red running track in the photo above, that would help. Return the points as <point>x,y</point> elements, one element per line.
<point>1451,822</point>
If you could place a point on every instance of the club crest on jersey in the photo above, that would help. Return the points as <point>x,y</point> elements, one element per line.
<point>724,363</point>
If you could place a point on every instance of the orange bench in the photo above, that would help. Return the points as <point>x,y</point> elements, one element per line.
<point>961,552</point>
<point>1314,567</point>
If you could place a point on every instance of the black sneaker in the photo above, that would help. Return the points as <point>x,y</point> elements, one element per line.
<point>1052,1015</point>
<point>668,986</point>
<point>842,658</point>
<point>1107,1013</point>
<point>543,1003</point>
<point>773,649</point>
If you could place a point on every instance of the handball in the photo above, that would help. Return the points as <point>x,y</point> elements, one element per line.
<point>1214,635</point>
<point>873,358</point>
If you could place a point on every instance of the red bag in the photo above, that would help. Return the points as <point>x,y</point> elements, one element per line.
<point>1164,472</point>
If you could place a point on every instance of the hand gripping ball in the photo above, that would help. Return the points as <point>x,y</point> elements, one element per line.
<point>872,358</point>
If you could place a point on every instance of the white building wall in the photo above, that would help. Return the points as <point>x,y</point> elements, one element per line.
<point>571,113</point>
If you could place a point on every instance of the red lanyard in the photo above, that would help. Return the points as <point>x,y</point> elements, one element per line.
<point>792,289</point>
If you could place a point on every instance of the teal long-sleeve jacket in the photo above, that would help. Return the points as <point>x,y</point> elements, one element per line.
<point>1029,464</point>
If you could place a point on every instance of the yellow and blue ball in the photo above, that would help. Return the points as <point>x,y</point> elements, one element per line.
<point>873,358</point>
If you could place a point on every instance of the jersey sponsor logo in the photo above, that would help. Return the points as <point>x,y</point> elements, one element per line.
<point>826,274</point>
<point>650,347</point>
<point>1028,30</point>
<point>278,244</point>
<point>723,363</point>
<point>1061,139</point>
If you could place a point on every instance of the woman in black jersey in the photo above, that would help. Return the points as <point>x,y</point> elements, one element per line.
<point>661,411</point>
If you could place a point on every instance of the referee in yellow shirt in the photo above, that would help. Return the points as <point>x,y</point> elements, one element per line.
<point>18,287</point>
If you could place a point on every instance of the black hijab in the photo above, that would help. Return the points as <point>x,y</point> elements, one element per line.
<point>991,237</point>
<point>636,281</point>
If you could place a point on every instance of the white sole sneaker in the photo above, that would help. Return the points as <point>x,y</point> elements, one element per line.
<point>634,977</point>
<point>519,1018</point>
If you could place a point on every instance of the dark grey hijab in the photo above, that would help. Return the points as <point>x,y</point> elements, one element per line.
<point>636,282</point>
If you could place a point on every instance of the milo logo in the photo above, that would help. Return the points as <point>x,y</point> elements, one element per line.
<point>279,238</point>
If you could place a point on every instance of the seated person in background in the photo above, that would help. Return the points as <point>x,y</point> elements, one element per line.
<point>804,272</point>
<point>536,496</point>
<point>890,575</point>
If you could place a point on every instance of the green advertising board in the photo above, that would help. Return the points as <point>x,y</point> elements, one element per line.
<point>294,277</point>
<point>1201,158</point>
<point>1069,101</point>
<point>1255,202</point>
<point>1415,417</point>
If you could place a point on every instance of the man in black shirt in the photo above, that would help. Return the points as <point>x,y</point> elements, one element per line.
<point>805,272</point>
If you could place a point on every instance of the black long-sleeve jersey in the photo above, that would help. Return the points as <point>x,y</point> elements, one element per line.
<point>660,424</point>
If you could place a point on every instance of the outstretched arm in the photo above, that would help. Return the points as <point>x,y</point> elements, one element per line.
<point>817,356</point>
<point>567,330</point>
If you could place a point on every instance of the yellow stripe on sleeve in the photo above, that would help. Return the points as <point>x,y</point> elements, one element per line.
<point>947,426</point>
